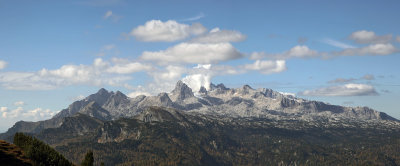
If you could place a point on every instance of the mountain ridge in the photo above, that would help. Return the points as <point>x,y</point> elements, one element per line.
<point>218,100</point>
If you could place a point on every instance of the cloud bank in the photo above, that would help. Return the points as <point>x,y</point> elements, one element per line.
<point>3,64</point>
<point>367,37</point>
<point>342,90</point>
<point>194,53</point>
<point>169,31</point>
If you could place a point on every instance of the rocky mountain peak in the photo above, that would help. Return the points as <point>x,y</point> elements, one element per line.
<point>100,97</point>
<point>164,98</point>
<point>220,86</point>
<point>94,110</point>
<point>247,87</point>
<point>102,91</point>
<point>182,91</point>
<point>120,95</point>
<point>203,90</point>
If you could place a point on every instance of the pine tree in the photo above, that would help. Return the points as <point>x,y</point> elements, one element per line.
<point>88,161</point>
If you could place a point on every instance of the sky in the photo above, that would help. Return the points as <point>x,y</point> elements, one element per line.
<point>55,52</point>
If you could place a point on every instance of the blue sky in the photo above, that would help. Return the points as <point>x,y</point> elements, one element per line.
<point>55,52</point>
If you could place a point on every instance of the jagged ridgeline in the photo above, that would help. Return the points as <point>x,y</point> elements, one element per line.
<point>217,126</point>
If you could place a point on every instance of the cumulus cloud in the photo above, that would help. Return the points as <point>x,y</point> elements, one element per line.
<point>288,94</point>
<point>76,98</point>
<point>200,76</point>
<point>20,113</point>
<point>267,67</point>
<point>163,80</point>
<point>138,93</point>
<point>169,73</point>
<point>98,74</point>
<point>398,38</point>
<point>129,68</point>
<point>12,113</point>
<point>342,90</point>
<point>169,31</point>
<point>19,103</point>
<point>373,49</point>
<point>299,51</point>
<point>365,37</point>
<point>3,64</point>
<point>195,53</point>
<point>220,36</point>
<point>3,109</point>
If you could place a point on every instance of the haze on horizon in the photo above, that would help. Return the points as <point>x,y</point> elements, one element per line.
<point>53,53</point>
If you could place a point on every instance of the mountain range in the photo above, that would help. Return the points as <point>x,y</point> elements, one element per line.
<point>209,127</point>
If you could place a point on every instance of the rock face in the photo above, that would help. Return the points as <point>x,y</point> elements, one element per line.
<point>219,100</point>
<point>181,92</point>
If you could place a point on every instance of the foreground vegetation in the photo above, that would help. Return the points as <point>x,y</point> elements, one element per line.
<point>39,152</point>
<point>181,139</point>
<point>170,143</point>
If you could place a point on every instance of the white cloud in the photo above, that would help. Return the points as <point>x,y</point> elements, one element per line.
<point>220,36</point>
<point>225,70</point>
<point>337,43</point>
<point>196,53</point>
<point>299,51</point>
<point>197,17</point>
<point>373,49</point>
<point>98,74</point>
<point>19,103</point>
<point>364,37</point>
<point>200,76</point>
<point>342,90</point>
<point>288,94</point>
<point>21,114</point>
<point>108,14</point>
<point>38,114</point>
<point>12,113</point>
<point>398,38</point>
<point>129,68</point>
<point>195,81</point>
<point>267,67</point>
<point>168,74</point>
<point>3,64</point>
<point>164,80</point>
<point>138,93</point>
<point>169,31</point>
<point>77,98</point>
<point>3,109</point>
